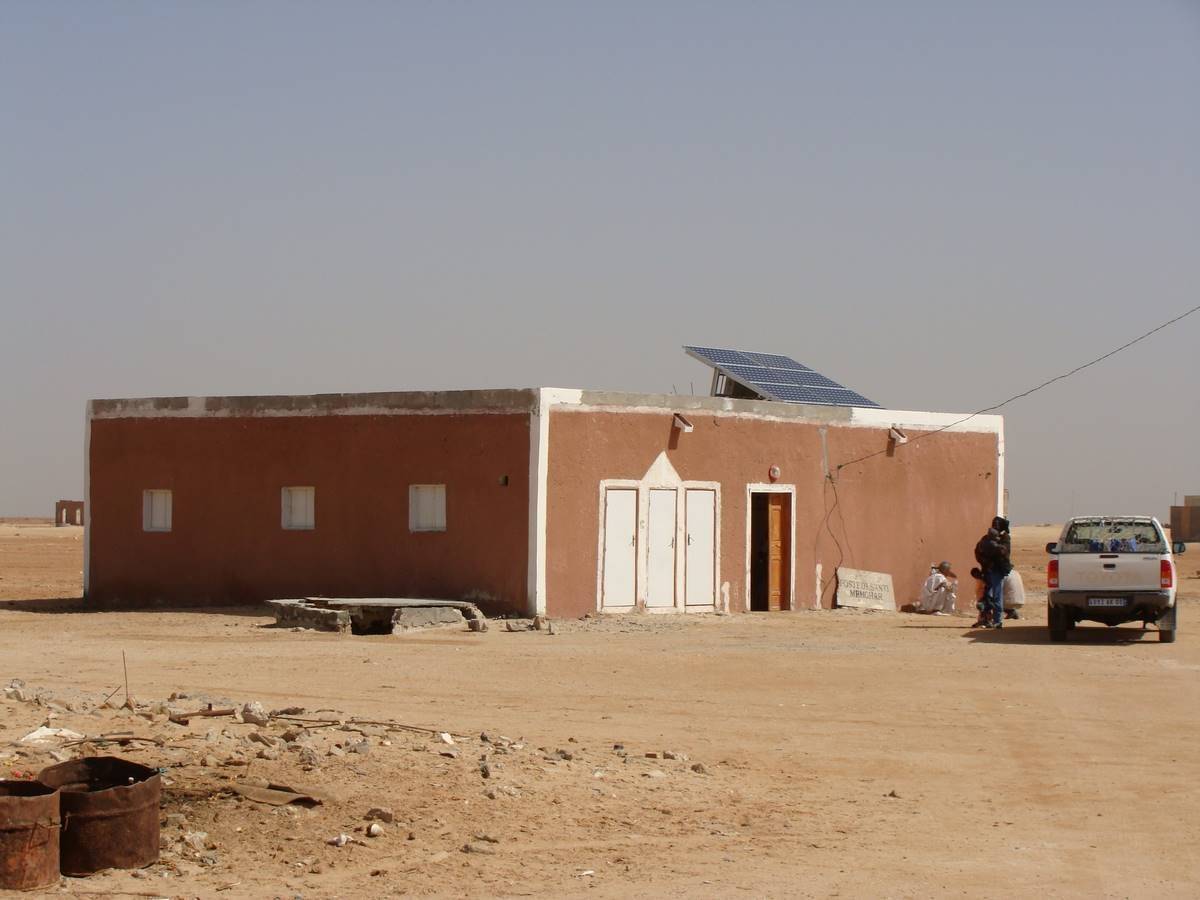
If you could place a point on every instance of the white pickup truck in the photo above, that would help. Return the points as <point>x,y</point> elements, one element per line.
<point>1112,569</point>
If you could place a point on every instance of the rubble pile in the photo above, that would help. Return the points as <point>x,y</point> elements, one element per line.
<point>302,788</point>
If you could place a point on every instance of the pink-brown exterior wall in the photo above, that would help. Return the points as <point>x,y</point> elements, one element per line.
<point>68,512</point>
<point>926,501</point>
<point>1185,523</point>
<point>226,543</point>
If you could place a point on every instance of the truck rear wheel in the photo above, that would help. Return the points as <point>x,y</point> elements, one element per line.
<point>1056,621</point>
<point>1167,624</point>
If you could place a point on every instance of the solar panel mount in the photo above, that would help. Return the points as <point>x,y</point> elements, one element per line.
<point>750,375</point>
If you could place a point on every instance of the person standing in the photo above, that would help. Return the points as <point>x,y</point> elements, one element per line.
<point>993,555</point>
<point>1008,591</point>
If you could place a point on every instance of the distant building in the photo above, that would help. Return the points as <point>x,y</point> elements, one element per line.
<point>1185,520</point>
<point>68,512</point>
<point>543,500</point>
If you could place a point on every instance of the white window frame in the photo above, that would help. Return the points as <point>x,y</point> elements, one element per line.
<point>289,519</point>
<point>150,522</point>
<point>436,520</point>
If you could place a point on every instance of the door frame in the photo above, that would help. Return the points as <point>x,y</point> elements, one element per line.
<point>719,602</point>
<point>642,559</point>
<point>638,499</point>
<point>766,488</point>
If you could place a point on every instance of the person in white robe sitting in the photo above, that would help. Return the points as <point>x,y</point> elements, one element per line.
<point>939,593</point>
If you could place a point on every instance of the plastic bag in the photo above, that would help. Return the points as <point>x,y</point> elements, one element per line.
<point>1014,590</point>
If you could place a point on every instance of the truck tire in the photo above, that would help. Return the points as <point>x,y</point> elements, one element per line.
<point>1167,625</point>
<point>1056,621</point>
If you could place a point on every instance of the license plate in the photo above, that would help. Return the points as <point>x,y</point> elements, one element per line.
<point>1106,601</point>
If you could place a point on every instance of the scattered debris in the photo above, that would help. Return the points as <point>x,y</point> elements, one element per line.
<point>46,735</point>
<point>197,840</point>
<point>237,769</point>
<point>185,718</point>
<point>255,714</point>
<point>278,794</point>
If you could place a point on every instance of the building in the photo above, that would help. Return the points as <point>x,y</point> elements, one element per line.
<point>543,500</point>
<point>68,512</point>
<point>1185,520</point>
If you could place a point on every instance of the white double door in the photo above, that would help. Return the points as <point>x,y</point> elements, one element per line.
<point>674,548</point>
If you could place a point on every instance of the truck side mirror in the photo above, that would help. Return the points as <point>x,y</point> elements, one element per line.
<point>1052,547</point>
<point>1178,547</point>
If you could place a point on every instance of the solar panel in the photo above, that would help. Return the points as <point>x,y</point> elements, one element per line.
<point>775,377</point>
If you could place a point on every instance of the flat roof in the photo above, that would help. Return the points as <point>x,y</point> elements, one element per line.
<point>523,400</point>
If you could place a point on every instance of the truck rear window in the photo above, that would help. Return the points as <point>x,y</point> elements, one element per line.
<point>1112,536</point>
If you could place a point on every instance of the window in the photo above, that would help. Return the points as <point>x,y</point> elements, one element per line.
<point>299,508</point>
<point>426,507</point>
<point>156,510</point>
<point>1113,536</point>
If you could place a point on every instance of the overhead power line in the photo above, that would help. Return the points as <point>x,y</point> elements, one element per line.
<point>1032,390</point>
<point>831,481</point>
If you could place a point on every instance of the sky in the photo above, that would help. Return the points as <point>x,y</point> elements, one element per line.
<point>939,204</point>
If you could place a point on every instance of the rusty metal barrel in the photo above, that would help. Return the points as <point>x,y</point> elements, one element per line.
<point>109,813</point>
<point>29,832</point>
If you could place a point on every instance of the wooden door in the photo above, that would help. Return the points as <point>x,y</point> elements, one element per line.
<point>778,569</point>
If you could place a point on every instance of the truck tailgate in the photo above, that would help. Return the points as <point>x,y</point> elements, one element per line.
<point>1108,572</point>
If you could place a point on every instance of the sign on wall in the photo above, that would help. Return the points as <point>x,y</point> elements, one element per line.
<point>865,590</point>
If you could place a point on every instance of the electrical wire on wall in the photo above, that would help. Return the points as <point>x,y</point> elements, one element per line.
<point>831,477</point>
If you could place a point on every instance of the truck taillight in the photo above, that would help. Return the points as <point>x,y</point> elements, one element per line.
<point>1052,574</point>
<point>1167,576</point>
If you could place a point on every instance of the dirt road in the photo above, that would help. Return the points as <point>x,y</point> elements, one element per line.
<point>843,753</point>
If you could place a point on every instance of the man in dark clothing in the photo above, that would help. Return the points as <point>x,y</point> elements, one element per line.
<point>993,555</point>
<point>1001,525</point>
<point>1002,529</point>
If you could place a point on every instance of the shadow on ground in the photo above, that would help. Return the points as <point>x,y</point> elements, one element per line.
<point>1083,635</point>
<point>77,605</point>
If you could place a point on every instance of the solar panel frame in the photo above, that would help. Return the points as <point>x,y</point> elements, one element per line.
<point>778,378</point>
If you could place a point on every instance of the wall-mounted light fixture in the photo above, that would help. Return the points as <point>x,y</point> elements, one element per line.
<point>682,424</point>
<point>896,436</point>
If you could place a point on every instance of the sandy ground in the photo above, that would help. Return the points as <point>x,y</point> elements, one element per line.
<point>841,753</point>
